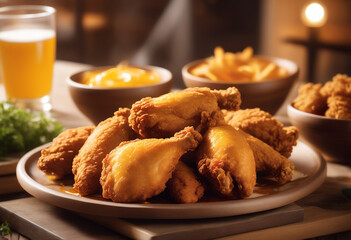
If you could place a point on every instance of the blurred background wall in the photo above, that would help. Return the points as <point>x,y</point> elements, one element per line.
<point>170,33</point>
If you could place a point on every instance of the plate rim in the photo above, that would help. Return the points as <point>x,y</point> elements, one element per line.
<point>166,210</point>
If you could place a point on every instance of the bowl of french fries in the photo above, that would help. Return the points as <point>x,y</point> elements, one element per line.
<point>263,81</point>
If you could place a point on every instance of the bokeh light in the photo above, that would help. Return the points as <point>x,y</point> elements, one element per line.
<point>314,14</point>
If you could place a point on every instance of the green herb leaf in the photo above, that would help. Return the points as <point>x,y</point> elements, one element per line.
<point>21,130</point>
<point>5,228</point>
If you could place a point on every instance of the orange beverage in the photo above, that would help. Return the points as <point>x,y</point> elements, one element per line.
<point>27,58</point>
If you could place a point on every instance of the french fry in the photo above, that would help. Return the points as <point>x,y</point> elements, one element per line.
<point>219,55</point>
<point>237,67</point>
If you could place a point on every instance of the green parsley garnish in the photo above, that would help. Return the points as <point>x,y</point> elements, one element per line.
<point>21,130</point>
<point>5,228</point>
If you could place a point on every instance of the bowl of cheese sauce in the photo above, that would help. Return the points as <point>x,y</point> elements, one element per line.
<point>99,92</point>
<point>122,76</point>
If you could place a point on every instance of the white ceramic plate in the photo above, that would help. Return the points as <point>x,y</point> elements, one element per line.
<point>306,161</point>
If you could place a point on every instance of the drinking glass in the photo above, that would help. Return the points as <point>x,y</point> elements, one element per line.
<point>27,54</point>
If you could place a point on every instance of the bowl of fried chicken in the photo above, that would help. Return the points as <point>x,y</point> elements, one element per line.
<point>99,92</point>
<point>322,112</point>
<point>263,82</point>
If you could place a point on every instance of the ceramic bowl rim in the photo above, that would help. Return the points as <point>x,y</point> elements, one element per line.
<point>166,77</point>
<point>294,110</point>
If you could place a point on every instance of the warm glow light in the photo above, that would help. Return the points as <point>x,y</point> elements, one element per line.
<point>314,12</point>
<point>314,15</point>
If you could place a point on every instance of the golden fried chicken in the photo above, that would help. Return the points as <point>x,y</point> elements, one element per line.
<point>339,107</point>
<point>264,126</point>
<point>107,135</point>
<point>332,100</point>
<point>139,169</point>
<point>227,161</point>
<point>338,94</point>
<point>184,186</point>
<point>169,113</point>
<point>228,99</point>
<point>269,163</point>
<point>310,99</point>
<point>56,160</point>
<point>340,86</point>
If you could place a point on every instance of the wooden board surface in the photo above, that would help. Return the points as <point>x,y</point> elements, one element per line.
<point>201,228</point>
<point>37,220</point>
<point>54,223</point>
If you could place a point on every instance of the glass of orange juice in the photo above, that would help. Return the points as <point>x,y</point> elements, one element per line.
<point>27,54</point>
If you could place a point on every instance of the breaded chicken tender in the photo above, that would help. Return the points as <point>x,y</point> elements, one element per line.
<point>87,165</point>
<point>184,186</point>
<point>198,107</point>
<point>56,160</point>
<point>310,99</point>
<point>340,86</point>
<point>227,161</point>
<point>138,170</point>
<point>269,163</point>
<point>339,107</point>
<point>264,126</point>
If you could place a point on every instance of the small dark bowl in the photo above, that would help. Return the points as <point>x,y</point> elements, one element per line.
<point>99,103</point>
<point>267,95</point>
<point>331,137</point>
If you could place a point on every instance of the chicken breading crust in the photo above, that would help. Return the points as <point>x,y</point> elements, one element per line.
<point>56,160</point>
<point>265,127</point>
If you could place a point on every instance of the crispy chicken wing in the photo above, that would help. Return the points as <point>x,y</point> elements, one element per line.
<point>184,186</point>
<point>56,160</point>
<point>227,161</point>
<point>264,126</point>
<point>107,135</point>
<point>169,113</point>
<point>269,163</point>
<point>139,169</point>
<point>310,99</point>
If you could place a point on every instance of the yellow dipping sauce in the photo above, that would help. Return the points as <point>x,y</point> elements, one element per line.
<point>121,76</point>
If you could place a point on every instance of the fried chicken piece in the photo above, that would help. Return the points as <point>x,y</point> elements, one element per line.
<point>339,107</point>
<point>310,99</point>
<point>269,163</point>
<point>228,99</point>
<point>172,112</point>
<point>227,161</point>
<point>87,165</point>
<point>339,86</point>
<point>184,186</point>
<point>56,160</point>
<point>331,100</point>
<point>139,169</point>
<point>264,126</point>
<point>338,94</point>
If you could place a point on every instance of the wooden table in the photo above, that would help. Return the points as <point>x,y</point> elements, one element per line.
<point>326,211</point>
